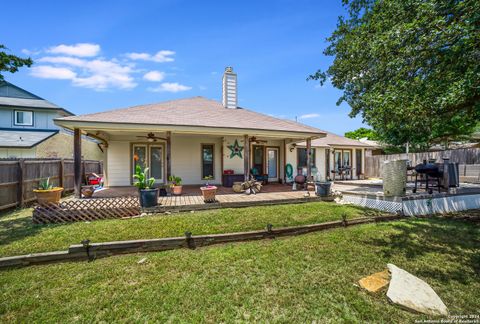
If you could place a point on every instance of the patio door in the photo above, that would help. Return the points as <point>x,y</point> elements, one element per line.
<point>272,164</point>
<point>152,157</point>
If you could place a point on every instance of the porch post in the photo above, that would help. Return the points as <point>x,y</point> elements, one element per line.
<point>309,159</point>
<point>77,162</point>
<point>246,158</point>
<point>169,155</point>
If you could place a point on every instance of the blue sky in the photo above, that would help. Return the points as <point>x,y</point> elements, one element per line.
<point>97,55</point>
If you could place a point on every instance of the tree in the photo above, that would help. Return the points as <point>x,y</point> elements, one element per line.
<point>362,132</point>
<point>11,63</point>
<point>409,68</point>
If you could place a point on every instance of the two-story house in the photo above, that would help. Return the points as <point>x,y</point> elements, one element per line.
<point>27,129</point>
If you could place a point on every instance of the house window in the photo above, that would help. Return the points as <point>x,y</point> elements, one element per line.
<point>302,157</point>
<point>207,160</point>
<point>23,118</point>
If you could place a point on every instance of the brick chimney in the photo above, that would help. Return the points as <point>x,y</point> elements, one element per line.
<point>230,94</point>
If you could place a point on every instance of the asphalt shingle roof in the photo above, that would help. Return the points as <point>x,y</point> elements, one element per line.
<point>196,111</point>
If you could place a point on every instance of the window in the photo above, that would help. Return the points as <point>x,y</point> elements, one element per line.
<point>23,118</point>
<point>342,159</point>
<point>207,160</point>
<point>302,157</point>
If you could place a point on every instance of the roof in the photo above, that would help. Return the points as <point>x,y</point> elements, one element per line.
<point>23,139</point>
<point>196,112</point>
<point>14,96</point>
<point>333,140</point>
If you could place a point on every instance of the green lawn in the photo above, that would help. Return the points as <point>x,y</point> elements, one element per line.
<point>297,279</point>
<point>18,235</point>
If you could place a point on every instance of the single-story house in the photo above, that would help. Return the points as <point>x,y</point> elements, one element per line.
<point>196,138</point>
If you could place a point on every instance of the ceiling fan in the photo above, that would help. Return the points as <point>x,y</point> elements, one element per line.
<point>152,138</point>
<point>253,139</point>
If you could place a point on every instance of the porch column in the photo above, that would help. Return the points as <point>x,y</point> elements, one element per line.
<point>169,155</point>
<point>246,158</point>
<point>77,162</point>
<point>309,159</point>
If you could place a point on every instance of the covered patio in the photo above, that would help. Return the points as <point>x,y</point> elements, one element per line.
<point>225,197</point>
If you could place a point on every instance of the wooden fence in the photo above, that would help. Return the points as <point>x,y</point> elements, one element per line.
<point>19,177</point>
<point>464,157</point>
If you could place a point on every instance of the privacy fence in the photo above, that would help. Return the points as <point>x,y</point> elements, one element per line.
<point>19,177</point>
<point>468,160</point>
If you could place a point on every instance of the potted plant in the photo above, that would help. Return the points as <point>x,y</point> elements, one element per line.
<point>209,191</point>
<point>147,194</point>
<point>47,193</point>
<point>175,184</point>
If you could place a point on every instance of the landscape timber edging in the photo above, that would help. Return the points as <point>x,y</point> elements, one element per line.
<point>92,251</point>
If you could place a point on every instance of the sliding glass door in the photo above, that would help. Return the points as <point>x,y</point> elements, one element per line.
<point>150,156</point>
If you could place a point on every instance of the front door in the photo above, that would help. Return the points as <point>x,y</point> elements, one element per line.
<point>150,156</point>
<point>272,164</point>
<point>258,159</point>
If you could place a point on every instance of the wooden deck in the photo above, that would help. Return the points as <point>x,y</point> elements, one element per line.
<point>191,199</point>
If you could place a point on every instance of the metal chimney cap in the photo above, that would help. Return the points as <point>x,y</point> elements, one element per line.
<point>229,69</point>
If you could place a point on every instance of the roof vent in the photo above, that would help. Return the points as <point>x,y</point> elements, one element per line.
<point>230,99</point>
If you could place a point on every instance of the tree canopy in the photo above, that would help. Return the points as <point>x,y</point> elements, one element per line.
<point>362,132</point>
<point>11,63</point>
<point>410,68</point>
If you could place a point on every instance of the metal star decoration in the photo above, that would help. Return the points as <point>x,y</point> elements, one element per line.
<point>235,149</point>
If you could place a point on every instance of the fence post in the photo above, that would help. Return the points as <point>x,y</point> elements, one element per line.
<point>20,178</point>
<point>61,174</point>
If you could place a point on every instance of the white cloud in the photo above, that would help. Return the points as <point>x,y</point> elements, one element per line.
<point>155,76</point>
<point>98,74</point>
<point>80,49</point>
<point>308,116</point>
<point>51,72</point>
<point>160,56</point>
<point>170,87</point>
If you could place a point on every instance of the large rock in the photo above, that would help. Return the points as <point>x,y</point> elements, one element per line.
<point>413,293</point>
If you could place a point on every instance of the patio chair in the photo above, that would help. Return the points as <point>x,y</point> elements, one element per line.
<point>257,175</point>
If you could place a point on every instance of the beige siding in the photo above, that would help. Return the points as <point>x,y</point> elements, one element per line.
<point>187,158</point>
<point>236,163</point>
<point>61,146</point>
<point>17,153</point>
<point>118,163</point>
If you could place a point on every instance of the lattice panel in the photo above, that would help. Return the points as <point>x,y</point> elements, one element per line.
<point>380,204</point>
<point>80,210</point>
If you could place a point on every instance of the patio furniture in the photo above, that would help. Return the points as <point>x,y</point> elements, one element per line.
<point>93,179</point>
<point>228,180</point>
<point>342,172</point>
<point>257,175</point>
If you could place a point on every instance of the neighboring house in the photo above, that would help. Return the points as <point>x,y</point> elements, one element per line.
<point>195,138</point>
<point>332,153</point>
<point>27,129</point>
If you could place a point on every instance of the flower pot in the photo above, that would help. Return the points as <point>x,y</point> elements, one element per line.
<point>49,196</point>
<point>87,191</point>
<point>148,197</point>
<point>209,193</point>
<point>177,190</point>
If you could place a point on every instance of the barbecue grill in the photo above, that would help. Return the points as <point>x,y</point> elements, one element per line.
<point>430,173</point>
<point>443,175</point>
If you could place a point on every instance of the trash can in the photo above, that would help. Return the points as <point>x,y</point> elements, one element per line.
<point>322,189</point>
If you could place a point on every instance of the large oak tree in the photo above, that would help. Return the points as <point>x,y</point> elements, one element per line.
<point>410,68</point>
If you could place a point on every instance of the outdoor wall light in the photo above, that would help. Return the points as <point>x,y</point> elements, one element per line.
<point>292,147</point>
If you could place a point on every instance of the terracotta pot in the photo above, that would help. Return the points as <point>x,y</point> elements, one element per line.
<point>45,197</point>
<point>87,191</point>
<point>209,193</point>
<point>177,190</point>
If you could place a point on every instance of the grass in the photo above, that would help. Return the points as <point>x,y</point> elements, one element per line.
<point>297,279</point>
<point>18,235</point>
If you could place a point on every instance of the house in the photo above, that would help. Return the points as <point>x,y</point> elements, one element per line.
<point>27,129</point>
<point>196,138</point>
<point>334,156</point>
